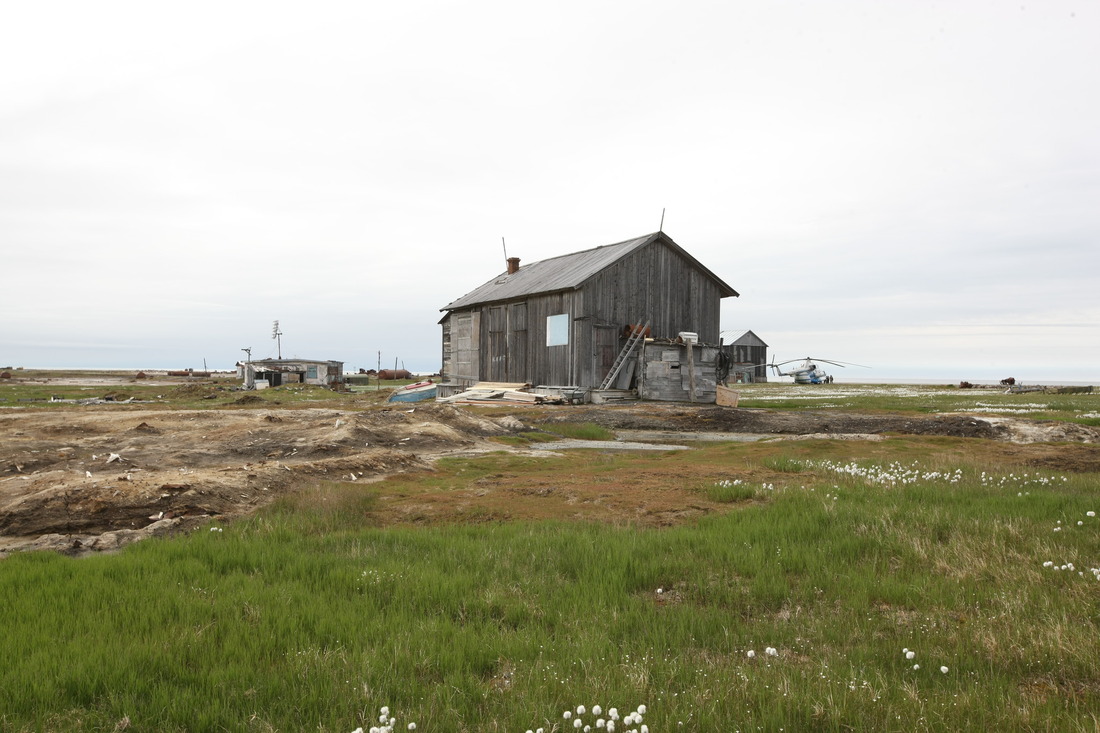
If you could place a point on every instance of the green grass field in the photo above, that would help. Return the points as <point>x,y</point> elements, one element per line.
<point>792,611</point>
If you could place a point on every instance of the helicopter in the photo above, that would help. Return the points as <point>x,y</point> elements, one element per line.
<point>808,372</point>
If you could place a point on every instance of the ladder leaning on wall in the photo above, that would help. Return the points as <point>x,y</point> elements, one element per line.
<point>637,333</point>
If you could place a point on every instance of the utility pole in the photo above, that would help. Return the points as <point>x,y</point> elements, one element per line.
<point>249,378</point>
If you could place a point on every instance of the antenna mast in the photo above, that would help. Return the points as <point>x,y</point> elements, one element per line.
<point>662,227</point>
<point>277,335</point>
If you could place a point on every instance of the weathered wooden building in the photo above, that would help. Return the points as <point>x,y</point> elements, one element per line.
<point>562,321</point>
<point>748,356</point>
<point>277,372</point>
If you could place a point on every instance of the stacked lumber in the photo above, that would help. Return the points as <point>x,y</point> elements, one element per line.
<point>498,393</point>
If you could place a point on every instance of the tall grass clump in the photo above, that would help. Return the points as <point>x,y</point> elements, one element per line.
<point>861,595</point>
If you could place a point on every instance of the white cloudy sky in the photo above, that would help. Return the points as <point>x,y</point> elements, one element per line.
<point>909,185</point>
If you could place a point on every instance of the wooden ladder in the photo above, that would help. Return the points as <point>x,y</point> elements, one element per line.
<point>637,333</point>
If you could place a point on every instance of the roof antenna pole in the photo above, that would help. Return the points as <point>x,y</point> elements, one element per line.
<point>662,227</point>
<point>502,244</point>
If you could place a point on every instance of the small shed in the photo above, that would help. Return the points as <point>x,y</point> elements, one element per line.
<point>278,372</point>
<point>748,357</point>
<point>678,371</point>
<point>563,321</point>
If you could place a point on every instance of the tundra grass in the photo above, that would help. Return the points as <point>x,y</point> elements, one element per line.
<point>303,617</point>
<point>922,399</point>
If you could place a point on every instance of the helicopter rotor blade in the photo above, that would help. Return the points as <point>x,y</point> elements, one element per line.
<point>839,363</point>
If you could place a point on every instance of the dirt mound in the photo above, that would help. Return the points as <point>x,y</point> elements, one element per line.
<point>191,391</point>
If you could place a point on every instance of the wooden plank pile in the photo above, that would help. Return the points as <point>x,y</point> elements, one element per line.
<point>499,393</point>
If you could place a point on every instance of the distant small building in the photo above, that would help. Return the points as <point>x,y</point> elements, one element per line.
<point>278,372</point>
<point>748,357</point>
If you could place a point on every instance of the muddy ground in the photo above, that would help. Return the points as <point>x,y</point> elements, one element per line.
<point>90,479</point>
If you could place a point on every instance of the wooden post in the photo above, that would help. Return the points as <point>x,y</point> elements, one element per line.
<point>691,370</point>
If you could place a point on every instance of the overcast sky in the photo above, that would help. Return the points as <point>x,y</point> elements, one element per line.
<point>913,186</point>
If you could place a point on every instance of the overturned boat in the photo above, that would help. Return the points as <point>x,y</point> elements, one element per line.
<point>415,392</point>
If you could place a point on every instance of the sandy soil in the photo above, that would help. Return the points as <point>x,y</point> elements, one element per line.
<point>91,479</point>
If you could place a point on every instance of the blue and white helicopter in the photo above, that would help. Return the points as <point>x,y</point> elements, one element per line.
<point>808,372</point>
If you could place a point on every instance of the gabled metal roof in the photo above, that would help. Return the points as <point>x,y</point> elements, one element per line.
<point>568,272</point>
<point>748,338</point>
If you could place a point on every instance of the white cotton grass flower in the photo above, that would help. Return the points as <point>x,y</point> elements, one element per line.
<point>580,710</point>
<point>567,714</point>
<point>1090,514</point>
<point>578,723</point>
<point>750,654</point>
<point>772,651</point>
<point>916,666</point>
<point>596,710</point>
<point>944,670</point>
<point>910,655</point>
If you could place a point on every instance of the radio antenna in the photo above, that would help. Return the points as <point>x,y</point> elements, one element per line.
<point>502,244</point>
<point>662,227</point>
<point>277,336</point>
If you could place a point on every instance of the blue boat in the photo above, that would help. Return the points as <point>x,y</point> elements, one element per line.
<point>415,392</point>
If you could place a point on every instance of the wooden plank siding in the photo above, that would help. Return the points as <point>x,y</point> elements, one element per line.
<point>656,284</point>
<point>664,373</point>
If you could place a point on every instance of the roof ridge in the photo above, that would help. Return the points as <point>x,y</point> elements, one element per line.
<point>593,249</point>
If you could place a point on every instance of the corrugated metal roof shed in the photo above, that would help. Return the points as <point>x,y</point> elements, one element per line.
<point>567,272</point>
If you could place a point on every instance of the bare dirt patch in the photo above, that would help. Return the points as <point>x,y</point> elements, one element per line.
<point>73,475</point>
<point>91,478</point>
